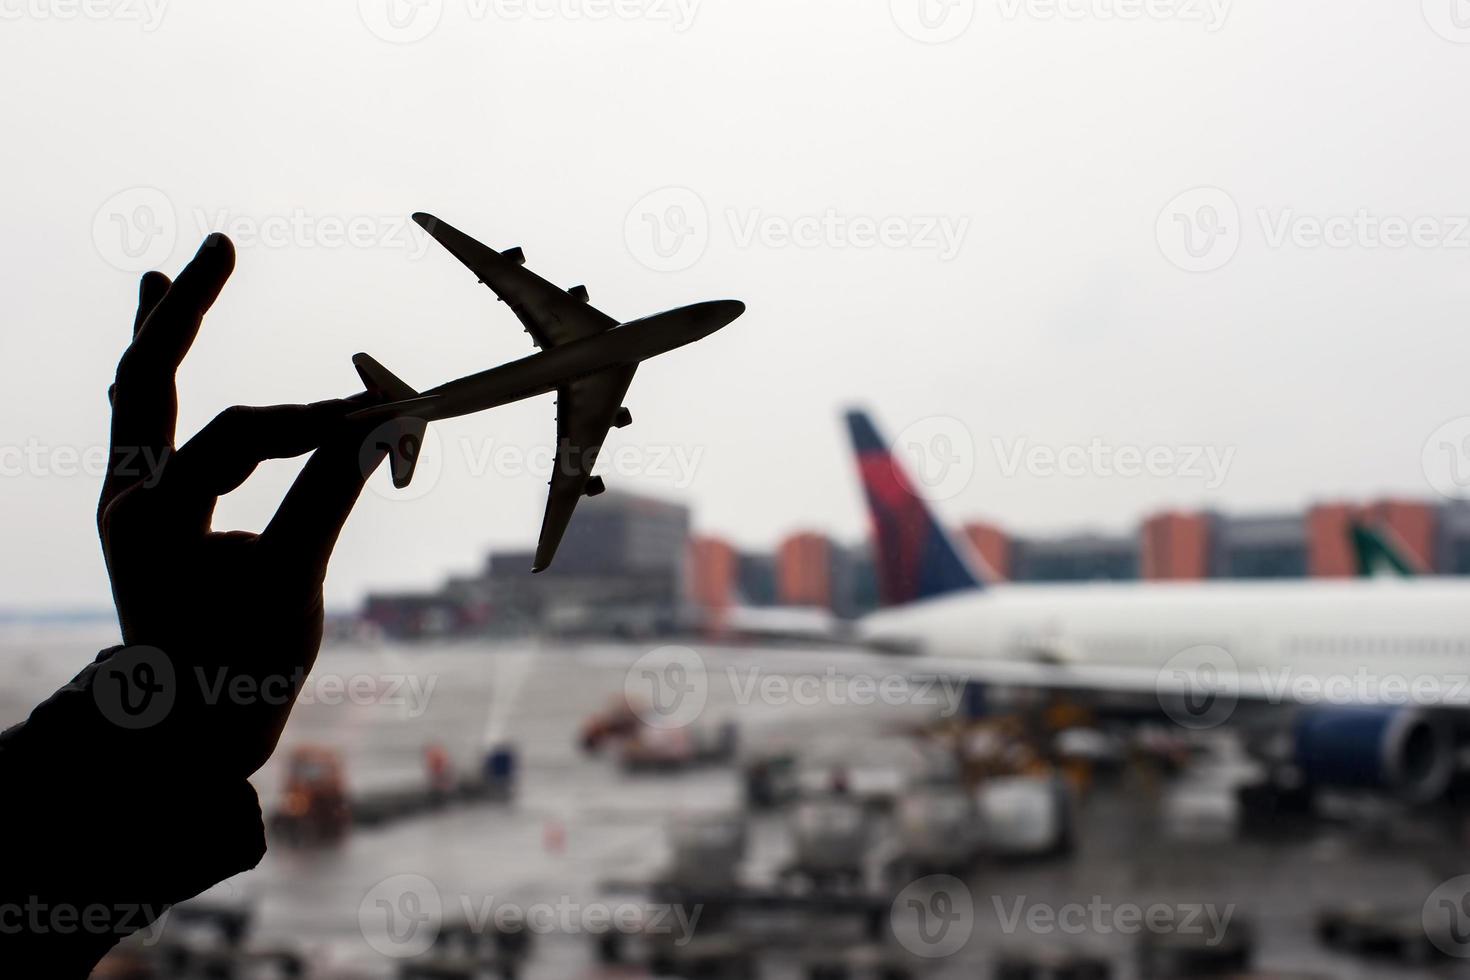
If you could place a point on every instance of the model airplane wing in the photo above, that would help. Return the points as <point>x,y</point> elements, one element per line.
<point>585,410</point>
<point>551,315</point>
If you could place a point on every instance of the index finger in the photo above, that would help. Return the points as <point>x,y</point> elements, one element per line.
<point>144,401</point>
<point>170,329</point>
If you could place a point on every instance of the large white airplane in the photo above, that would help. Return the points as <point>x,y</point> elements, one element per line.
<point>1375,672</point>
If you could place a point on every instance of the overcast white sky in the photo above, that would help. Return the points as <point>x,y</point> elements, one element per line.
<point>1050,145</point>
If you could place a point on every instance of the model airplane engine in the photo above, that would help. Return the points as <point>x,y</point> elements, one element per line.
<point>579,293</point>
<point>514,255</point>
<point>622,419</point>
<point>595,486</point>
<point>1406,751</point>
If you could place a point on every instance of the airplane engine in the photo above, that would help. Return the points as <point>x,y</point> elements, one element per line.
<point>1406,751</point>
<point>622,419</point>
<point>580,294</point>
<point>595,486</point>
<point>515,255</point>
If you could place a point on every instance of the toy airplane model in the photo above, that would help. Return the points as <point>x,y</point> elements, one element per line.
<point>586,357</point>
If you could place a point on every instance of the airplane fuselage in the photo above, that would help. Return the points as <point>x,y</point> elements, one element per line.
<point>1321,629</point>
<point>626,344</point>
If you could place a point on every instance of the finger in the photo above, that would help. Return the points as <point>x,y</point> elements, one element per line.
<point>144,401</point>
<point>310,518</point>
<point>171,328</point>
<point>151,290</point>
<point>227,450</point>
<point>120,473</point>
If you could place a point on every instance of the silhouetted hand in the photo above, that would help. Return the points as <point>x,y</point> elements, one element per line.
<point>126,790</point>
<point>237,616</point>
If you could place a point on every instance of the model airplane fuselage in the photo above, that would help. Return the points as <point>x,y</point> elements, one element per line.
<point>621,346</point>
<point>586,357</point>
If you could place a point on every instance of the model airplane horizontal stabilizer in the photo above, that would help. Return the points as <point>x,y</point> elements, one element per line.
<point>402,437</point>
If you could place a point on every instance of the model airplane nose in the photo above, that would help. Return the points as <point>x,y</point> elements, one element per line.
<point>718,313</point>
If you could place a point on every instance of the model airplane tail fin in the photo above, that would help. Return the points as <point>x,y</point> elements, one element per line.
<point>1381,552</point>
<point>402,437</point>
<point>915,556</point>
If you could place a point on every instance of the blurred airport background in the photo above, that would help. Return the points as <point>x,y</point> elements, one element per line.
<point>669,758</point>
<point>632,566</point>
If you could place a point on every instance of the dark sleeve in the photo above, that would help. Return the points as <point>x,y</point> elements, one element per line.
<point>104,831</point>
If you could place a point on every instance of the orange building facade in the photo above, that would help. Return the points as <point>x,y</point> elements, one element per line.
<point>713,567</point>
<point>1175,547</point>
<point>804,570</point>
